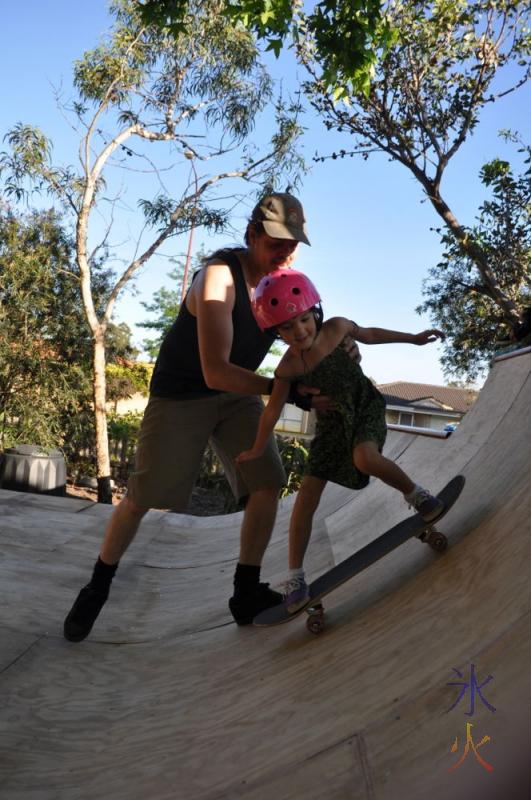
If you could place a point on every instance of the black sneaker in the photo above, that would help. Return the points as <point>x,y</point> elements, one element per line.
<point>83,614</point>
<point>244,608</point>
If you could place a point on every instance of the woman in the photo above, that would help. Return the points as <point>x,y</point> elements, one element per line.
<point>204,387</point>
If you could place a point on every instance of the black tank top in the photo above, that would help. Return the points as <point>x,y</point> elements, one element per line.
<point>177,373</point>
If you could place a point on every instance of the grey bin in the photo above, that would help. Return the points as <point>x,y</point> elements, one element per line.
<point>28,468</point>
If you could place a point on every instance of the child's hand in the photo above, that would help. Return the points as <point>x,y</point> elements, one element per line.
<point>247,455</point>
<point>426,337</point>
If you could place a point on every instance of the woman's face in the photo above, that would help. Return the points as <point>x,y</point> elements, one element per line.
<point>268,253</point>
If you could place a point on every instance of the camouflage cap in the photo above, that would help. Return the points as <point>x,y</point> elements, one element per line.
<point>282,216</point>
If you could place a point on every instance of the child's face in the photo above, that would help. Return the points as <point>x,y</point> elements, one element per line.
<point>300,331</point>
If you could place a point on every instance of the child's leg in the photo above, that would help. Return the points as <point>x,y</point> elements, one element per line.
<point>300,527</point>
<point>369,460</point>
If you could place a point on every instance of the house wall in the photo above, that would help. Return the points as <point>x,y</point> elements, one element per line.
<point>420,419</point>
<point>135,404</point>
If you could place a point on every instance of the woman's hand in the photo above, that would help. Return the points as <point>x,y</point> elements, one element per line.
<point>315,400</point>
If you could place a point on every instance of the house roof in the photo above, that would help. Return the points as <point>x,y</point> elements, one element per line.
<point>426,394</point>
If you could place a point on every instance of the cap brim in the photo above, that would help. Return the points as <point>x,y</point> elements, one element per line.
<point>278,230</point>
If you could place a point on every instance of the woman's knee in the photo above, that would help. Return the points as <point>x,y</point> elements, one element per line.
<point>132,509</point>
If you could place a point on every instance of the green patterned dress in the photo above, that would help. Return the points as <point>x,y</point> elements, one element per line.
<point>360,417</point>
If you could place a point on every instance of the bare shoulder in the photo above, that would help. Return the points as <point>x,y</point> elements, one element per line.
<point>336,327</point>
<point>216,272</point>
<point>214,281</point>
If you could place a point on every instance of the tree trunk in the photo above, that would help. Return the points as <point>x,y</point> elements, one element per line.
<point>476,254</point>
<point>100,413</point>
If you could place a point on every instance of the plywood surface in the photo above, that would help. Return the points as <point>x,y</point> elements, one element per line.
<point>169,699</point>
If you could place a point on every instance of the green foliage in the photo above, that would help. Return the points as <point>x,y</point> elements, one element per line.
<point>276,350</point>
<point>343,35</point>
<point>118,345</point>
<point>430,85</point>
<point>126,379</point>
<point>125,426</point>
<point>45,343</point>
<point>345,39</point>
<point>458,299</point>
<point>294,455</point>
<point>211,61</point>
<point>427,94</point>
<point>45,348</point>
<point>28,168</point>
<point>165,305</point>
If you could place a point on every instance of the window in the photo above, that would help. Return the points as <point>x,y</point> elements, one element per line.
<point>405,418</point>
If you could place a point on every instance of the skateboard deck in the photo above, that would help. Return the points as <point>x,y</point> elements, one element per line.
<point>372,552</point>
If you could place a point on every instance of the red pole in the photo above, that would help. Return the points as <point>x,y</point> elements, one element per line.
<point>190,156</point>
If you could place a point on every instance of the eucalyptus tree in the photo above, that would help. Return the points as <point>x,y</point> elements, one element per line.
<point>200,96</point>
<point>445,60</point>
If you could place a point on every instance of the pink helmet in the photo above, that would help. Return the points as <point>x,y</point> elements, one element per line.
<point>282,295</point>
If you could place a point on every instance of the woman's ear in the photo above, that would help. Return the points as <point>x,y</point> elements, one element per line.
<point>250,234</point>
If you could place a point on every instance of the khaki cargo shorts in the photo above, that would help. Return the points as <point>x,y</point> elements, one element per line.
<point>173,438</point>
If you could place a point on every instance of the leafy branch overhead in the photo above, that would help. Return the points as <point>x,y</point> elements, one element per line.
<point>344,36</point>
<point>455,294</point>
<point>447,61</point>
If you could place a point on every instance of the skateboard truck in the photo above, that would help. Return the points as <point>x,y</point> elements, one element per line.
<point>434,538</point>
<point>315,622</point>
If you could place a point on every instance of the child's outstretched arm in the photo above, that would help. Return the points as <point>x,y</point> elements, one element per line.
<point>384,336</point>
<point>268,420</point>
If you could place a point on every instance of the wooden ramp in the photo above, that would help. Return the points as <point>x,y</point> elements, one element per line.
<point>168,699</point>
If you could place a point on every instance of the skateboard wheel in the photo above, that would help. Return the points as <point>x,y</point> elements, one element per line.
<point>315,624</point>
<point>315,621</point>
<point>437,541</point>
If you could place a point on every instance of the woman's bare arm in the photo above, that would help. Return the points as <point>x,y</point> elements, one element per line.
<point>212,303</point>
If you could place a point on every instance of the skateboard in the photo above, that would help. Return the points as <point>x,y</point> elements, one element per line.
<point>356,563</point>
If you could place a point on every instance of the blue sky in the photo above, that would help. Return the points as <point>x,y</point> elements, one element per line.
<point>370,231</point>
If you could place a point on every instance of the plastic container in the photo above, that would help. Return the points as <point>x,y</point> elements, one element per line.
<point>28,468</point>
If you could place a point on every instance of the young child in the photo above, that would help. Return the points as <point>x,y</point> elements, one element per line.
<point>348,440</point>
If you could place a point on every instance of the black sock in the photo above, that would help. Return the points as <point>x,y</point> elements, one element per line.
<point>246,578</point>
<point>102,575</point>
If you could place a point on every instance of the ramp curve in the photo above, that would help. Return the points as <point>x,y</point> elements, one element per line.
<point>169,699</point>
